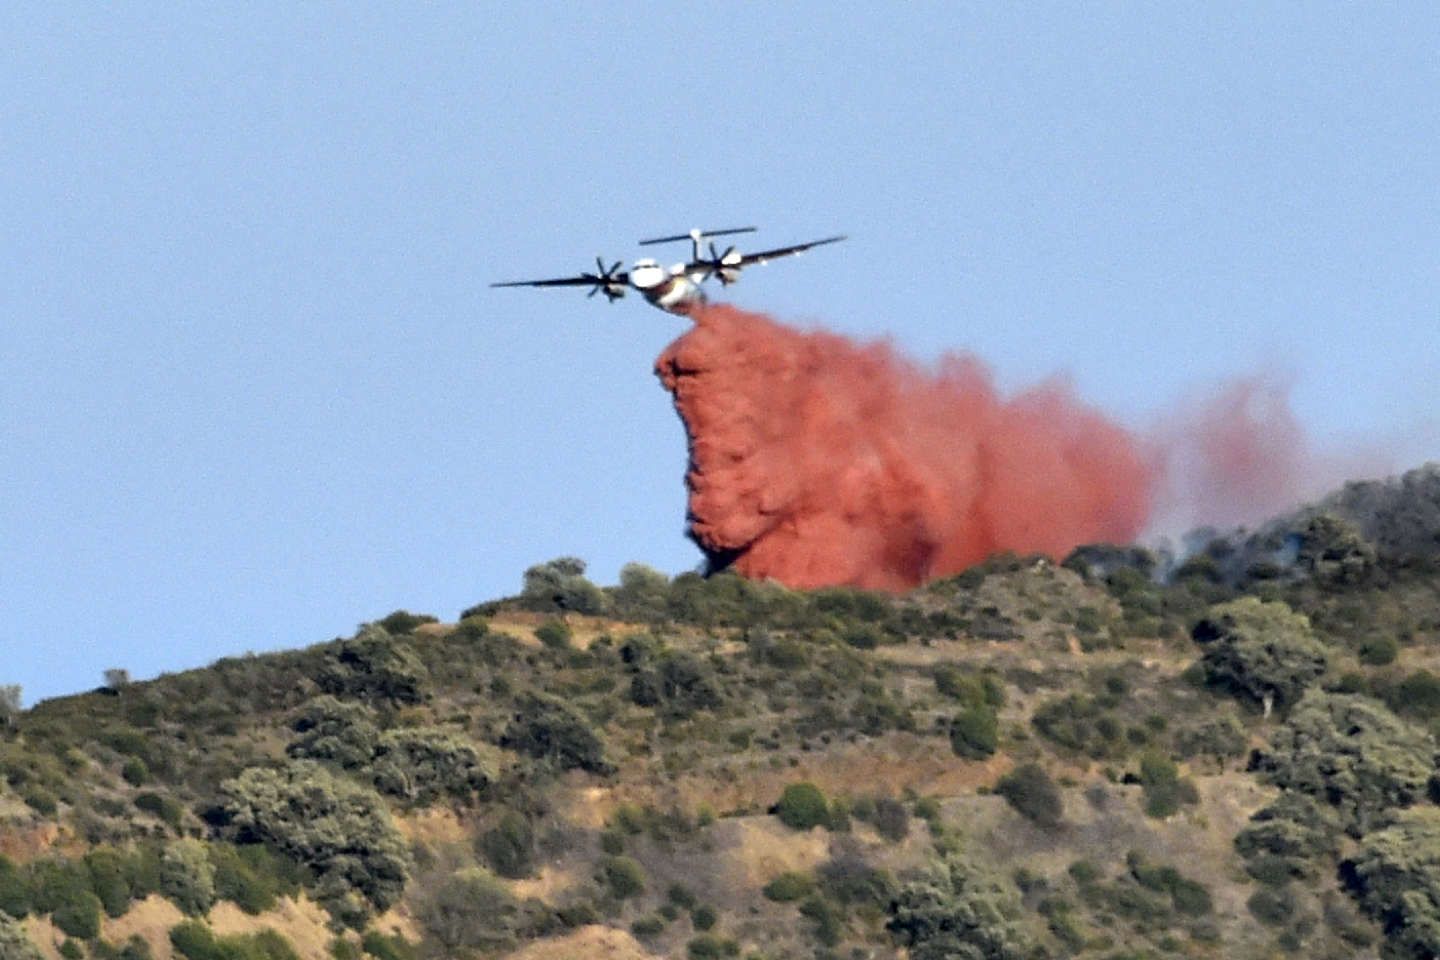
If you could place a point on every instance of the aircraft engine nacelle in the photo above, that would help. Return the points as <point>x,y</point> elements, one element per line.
<point>647,274</point>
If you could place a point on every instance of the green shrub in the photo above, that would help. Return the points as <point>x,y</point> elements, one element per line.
<point>1378,651</point>
<point>79,916</point>
<point>802,807</point>
<point>1418,696</point>
<point>110,879</point>
<point>789,886</point>
<point>1396,877</point>
<point>958,909</point>
<point>343,949</point>
<point>704,917</point>
<point>555,634</point>
<point>134,771</point>
<point>890,819</point>
<point>245,876</point>
<point>339,829</point>
<point>548,728</point>
<point>374,665</point>
<point>559,586</point>
<point>509,846</point>
<point>623,877</point>
<point>707,946</point>
<point>421,764</point>
<point>14,889</point>
<point>647,927</point>
<point>71,950</point>
<point>1351,753</point>
<point>1263,652</point>
<point>187,877</point>
<point>1272,907</point>
<point>403,621</point>
<point>1029,789</point>
<point>336,731</point>
<point>383,947</point>
<point>974,733</point>
<point>15,944</point>
<point>470,910</point>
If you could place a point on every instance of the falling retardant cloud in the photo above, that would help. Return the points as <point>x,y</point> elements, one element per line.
<point>816,460</point>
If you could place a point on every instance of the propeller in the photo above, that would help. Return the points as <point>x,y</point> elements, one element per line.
<point>725,266</point>
<point>605,280</point>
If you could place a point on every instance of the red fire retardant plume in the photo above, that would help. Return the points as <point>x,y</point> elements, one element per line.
<point>818,461</point>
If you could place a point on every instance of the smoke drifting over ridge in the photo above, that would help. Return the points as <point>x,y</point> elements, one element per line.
<point>815,460</point>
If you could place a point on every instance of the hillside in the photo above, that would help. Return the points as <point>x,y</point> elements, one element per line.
<point>1123,755</point>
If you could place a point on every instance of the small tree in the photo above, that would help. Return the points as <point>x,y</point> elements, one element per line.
<point>14,943</point>
<point>335,730</point>
<point>339,829</point>
<point>9,703</point>
<point>1396,876</point>
<point>1263,652</point>
<point>117,679</point>
<point>1352,753</point>
<point>548,728</point>
<point>419,764</point>
<point>187,877</point>
<point>559,586</point>
<point>470,910</point>
<point>959,910</point>
<point>802,807</point>
<point>974,733</point>
<point>1029,789</point>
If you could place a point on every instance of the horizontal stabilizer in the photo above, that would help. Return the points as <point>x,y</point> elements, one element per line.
<point>703,234</point>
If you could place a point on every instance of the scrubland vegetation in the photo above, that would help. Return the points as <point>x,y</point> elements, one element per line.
<point>1120,756</point>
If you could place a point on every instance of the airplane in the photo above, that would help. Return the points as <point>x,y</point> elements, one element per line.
<point>677,289</point>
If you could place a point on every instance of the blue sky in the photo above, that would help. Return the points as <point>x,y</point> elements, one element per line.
<point>254,388</point>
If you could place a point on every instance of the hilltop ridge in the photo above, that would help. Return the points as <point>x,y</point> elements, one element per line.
<point>1226,754</point>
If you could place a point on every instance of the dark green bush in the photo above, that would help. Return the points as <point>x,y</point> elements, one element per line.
<point>403,621</point>
<point>340,830</point>
<point>623,877</point>
<point>789,886</point>
<point>1417,695</point>
<point>374,665</point>
<point>509,846</point>
<point>1029,789</point>
<point>958,909</point>
<point>71,950</point>
<point>79,916</point>
<point>1271,906</point>
<point>802,807</point>
<point>974,733</point>
<point>1263,652</point>
<point>549,728</point>
<point>1396,877</point>
<point>110,879</point>
<point>1351,753</point>
<point>336,731</point>
<point>555,634</point>
<point>245,876</point>
<point>469,910</point>
<point>387,947</point>
<point>421,764</point>
<point>647,927</point>
<point>1378,651</point>
<point>559,586</point>
<point>134,771</point>
<point>187,877</point>
<point>703,917</point>
<point>890,819</point>
<point>14,889</point>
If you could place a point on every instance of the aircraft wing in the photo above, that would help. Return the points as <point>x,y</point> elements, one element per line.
<point>584,280</point>
<point>765,256</point>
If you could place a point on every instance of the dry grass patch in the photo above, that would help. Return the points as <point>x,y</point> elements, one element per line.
<point>592,943</point>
